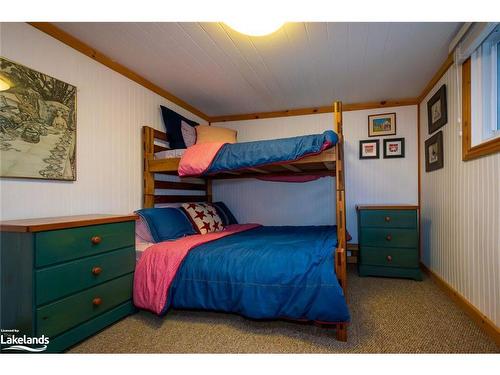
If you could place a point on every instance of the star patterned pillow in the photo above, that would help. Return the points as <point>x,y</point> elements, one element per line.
<point>204,217</point>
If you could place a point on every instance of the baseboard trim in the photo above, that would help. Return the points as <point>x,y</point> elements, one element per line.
<point>484,322</point>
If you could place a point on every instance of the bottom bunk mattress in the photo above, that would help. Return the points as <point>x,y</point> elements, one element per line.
<point>264,273</point>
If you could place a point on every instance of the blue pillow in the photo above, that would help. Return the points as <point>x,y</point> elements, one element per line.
<point>172,122</point>
<point>166,223</point>
<point>225,214</point>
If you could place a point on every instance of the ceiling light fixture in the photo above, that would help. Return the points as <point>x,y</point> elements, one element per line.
<point>255,28</point>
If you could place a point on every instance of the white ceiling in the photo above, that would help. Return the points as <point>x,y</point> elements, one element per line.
<point>222,72</point>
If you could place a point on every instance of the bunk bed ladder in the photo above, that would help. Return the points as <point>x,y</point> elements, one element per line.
<point>340,252</point>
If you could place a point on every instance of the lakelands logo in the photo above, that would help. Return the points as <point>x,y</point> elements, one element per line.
<point>10,342</point>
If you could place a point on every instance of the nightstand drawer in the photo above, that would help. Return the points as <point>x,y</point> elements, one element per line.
<point>61,280</point>
<point>58,246</point>
<point>64,314</point>
<point>390,257</point>
<point>388,237</point>
<point>388,218</point>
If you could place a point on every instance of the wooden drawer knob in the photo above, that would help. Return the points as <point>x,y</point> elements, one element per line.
<point>388,237</point>
<point>97,301</point>
<point>387,218</point>
<point>389,258</point>
<point>96,271</point>
<point>96,240</point>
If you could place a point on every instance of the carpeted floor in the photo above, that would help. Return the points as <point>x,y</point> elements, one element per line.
<point>388,316</point>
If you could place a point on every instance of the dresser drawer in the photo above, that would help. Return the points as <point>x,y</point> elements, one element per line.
<point>64,314</point>
<point>388,237</point>
<point>388,218</point>
<point>67,244</point>
<point>390,257</point>
<point>64,279</point>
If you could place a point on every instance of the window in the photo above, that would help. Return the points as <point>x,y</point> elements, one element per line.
<point>481,99</point>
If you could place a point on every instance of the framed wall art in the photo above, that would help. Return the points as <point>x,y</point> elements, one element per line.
<point>394,148</point>
<point>37,124</point>
<point>382,125</point>
<point>434,152</point>
<point>369,149</point>
<point>437,110</point>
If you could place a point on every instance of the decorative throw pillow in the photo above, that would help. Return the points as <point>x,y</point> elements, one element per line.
<point>172,122</point>
<point>207,134</point>
<point>225,213</point>
<point>188,133</point>
<point>166,223</point>
<point>204,217</point>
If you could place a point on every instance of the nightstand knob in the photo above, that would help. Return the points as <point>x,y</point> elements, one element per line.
<point>388,237</point>
<point>96,271</point>
<point>96,240</point>
<point>389,258</point>
<point>97,301</point>
<point>387,218</point>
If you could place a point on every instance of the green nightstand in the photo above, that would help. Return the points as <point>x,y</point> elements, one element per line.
<point>388,241</point>
<point>65,278</point>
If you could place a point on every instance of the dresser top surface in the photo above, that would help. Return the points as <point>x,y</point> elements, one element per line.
<point>62,222</point>
<point>386,207</point>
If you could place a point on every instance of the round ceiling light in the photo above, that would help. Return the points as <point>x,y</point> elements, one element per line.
<point>253,28</point>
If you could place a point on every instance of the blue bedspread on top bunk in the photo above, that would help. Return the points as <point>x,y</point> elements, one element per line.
<point>234,156</point>
<point>264,273</point>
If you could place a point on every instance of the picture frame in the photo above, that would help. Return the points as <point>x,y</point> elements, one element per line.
<point>437,110</point>
<point>38,121</point>
<point>434,155</point>
<point>369,149</point>
<point>382,124</point>
<point>394,148</point>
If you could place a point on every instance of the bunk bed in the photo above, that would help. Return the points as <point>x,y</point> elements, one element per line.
<point>329,162</point>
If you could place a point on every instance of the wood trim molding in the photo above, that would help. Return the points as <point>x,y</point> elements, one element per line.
<point>315,110</point>
<point>468,151</point>
<point>441,71</point>
<point>62,36</point>
<point>484,322</point>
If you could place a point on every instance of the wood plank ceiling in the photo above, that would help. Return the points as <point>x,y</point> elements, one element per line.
<point>221,72</point>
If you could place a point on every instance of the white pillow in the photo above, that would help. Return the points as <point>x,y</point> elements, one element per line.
<point>188,133</point>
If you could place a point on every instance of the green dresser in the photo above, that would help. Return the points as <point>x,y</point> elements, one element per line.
<point>388,241</point>
<point>65,278</point>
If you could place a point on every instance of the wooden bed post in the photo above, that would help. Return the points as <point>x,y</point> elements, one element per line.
<point>340,252</point>
<point>148,139</point>
<point>209,190</point>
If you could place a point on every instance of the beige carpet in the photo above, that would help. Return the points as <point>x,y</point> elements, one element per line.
<point>388,316</point>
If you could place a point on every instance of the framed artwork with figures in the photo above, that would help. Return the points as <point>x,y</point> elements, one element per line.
<point>437,110</point>
<point>369,149</point>
<point>37,124</point>
<point>434,152</point>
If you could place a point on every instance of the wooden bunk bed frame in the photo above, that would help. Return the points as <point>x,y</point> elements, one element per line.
<point>329,162</point>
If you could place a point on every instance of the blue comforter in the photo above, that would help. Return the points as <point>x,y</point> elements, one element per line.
<point>234,156</point>
<point>264,273</point>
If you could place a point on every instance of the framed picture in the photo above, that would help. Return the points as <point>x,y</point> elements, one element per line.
<point>437,110</point>
<point>369,149</point>
<point>394,148</point>
<point>381,125</point>
<point>37,125</point>
<point>434,152</point>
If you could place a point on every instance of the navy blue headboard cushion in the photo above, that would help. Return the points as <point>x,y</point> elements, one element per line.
<point>172,121</point>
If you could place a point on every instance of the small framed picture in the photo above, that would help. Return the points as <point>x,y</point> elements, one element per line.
<point>434,152</point>
<point>381,125</point>
<point>369,149</point>
<point>394,148</point>
<point>437,110</point>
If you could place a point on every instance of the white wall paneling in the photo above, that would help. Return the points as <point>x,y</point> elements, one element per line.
<point>367,181</point>
<point>460,208</point>
<point>111,111</point>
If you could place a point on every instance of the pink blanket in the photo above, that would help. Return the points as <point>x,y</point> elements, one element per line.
<point>197,158</point>
<point>159,264</point>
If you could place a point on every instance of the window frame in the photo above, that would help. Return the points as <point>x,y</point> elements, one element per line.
<point>470,152</point>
